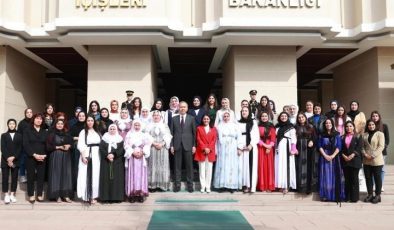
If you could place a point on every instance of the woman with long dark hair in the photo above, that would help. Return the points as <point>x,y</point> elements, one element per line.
<point>205,152</point>
<point>211,106</point>
<point>372,150</point>
<point>59,178</point>
<point>340,119</point>
<point>382,127</point>
<point>352,161</point>
<point>306,160</point>
<point>34,143</point>
<point>89,165</point>
<point>158,105</point>
<point>264,106</point>
<point>11,149</point>
<point>136,108</point>
<point>266,152</point>
<point>332,186</point>
<point>94,110</point>
<point>49,116</point>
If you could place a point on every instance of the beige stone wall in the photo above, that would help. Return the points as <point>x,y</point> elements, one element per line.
<point>271,70</point>
<point>326,94</point>
<point>114,69</point>
<point>358,79</point>
<point>22,84</point>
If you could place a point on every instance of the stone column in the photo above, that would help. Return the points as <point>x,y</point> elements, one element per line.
<point>114,69</point>
<point>270,70</point>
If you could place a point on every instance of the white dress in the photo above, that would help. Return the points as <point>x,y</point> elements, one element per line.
<point>92,138</point>
<point>219,116</point>
<point>282,156</point>
<point>244,168</point>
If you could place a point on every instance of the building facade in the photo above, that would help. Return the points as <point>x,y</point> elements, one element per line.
<point>72,51</point>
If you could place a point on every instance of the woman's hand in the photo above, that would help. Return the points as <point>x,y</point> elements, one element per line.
<point>84,160</point>
<point>110,157</point>
<point>310,144</point>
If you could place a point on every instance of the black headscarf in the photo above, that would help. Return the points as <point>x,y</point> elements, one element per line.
<point>249,125</point>
<point>353,113</point>
<point>11,130</point>
<point>371,132</point>
<point>267,126</point>
<point>197,107</point>
<point>283,127</point>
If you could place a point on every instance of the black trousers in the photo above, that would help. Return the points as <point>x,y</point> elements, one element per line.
<point>14,178</point>
<point>185,156</point>
<point>376,173</point>
<point>35,172</point>
<point>352,188</point>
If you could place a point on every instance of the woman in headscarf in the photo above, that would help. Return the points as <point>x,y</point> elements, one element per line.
<point>158,162</point>
<point>332,183</point>
<point>227,171</point>
<point>76,155</point>
<point>114,113</point>
<point>248,151</point>
<point>286,140</point>
<point>306,159</point>
<point>124,123</point>
<point>145,116</point>
<point>59,178</point>
<point>89,165</point>
<point>196,110</point>
<point>104,122</point>
<point>158,106</point>
<point>357,117</point>
<point>11,149</point>
<point>137,147</point>
<point>293,114</point>
<point>112,166</point>
<point>266,150</point>
<point>22,126</point>
<point>224,109</point>
<point>172,111</point>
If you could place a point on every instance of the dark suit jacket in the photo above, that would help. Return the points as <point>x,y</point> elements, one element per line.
<point>197,117</point>
<point>355,147</point>
<point>10,147</point>
<point>185,137</point>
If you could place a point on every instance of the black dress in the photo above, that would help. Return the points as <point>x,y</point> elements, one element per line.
<point>112,188</point>
<point>75,154</point>
<point>59,177</point>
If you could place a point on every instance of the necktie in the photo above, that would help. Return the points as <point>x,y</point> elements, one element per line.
<point>182,122</point>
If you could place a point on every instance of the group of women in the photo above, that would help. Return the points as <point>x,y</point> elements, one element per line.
<point>110,155</point>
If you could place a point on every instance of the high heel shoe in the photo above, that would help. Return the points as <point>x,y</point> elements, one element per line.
<point>67,200</point>
<point>368,198</point>
<point>32,199</point>
<point>40,198</point>
<point>376,199</point>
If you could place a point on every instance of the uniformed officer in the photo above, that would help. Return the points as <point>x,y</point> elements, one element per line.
<point>127,104</point>
<point>253,103</point>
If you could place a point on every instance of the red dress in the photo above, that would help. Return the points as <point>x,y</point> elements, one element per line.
<point>266,166</point>
<point>205,140</point>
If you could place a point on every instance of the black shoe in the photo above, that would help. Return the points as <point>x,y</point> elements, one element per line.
<point>132,199</point>
<point>376,199</point>
<point>368,198</point>
<point>190,189</point>
<point>140,199</point>
<point>177,188</point>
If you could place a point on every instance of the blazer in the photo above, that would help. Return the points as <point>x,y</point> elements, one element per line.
<point>356,145</point>
<point>198,116</point>
<point>185,137</point>
<point>10,147</point>
<point>375,148</point>
<point>206,140</point>
<point>35,142</point>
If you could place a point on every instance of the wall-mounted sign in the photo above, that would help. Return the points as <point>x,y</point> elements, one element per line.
<point>104,4</point>
<point>274,3</point>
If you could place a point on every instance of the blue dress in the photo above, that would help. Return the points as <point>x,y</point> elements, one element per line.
<point>331,179</point>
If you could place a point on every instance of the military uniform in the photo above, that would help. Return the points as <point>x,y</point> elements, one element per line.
<point>127,104</point>
<point>253,104</point>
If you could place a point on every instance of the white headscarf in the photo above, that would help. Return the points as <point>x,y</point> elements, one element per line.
<point>112,140</point>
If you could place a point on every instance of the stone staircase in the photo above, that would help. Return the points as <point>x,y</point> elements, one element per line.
<point>259,201</point>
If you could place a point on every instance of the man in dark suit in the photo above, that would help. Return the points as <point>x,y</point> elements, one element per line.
<point>183,145</point>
